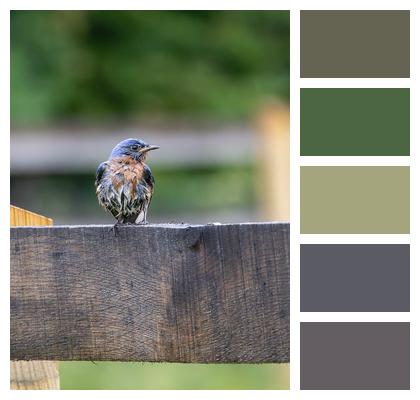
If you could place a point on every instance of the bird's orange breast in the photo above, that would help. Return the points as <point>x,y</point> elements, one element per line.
<point>126,171</point>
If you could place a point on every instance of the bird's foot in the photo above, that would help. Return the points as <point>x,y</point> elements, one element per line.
<point>114,228</point>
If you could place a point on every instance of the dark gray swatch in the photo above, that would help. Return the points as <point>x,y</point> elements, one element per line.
<point>355,355</point>
<point>355,44</point>
<point>347,277</point>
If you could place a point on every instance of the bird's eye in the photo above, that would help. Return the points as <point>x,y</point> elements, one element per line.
<point>135,147</point>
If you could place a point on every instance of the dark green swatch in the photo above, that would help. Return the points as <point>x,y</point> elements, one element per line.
<point>355,44</point>
<point>355,200</point>
<point>355,122</point>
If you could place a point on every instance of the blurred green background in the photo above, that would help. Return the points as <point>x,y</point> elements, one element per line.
<point>189,81</point>
<point>116,375</point>
<point>98,64</point>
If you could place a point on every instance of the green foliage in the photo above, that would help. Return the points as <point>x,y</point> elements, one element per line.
<point>89,65</point>
<point>203,189</point>
<point>178,191</point>
<point>116,375</point>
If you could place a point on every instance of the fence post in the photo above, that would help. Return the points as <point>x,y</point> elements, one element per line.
<point>273,143</point>
<point>30,375</point>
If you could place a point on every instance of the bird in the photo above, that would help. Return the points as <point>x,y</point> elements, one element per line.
<point>124,183</point>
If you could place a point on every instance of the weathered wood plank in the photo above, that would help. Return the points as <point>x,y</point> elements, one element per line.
<point>176,293</point>
<point>30,375</point>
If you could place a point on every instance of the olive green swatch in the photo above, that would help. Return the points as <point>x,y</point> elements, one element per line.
<point>355,44</point>
<point>355,122</point>
<point>355,199</point>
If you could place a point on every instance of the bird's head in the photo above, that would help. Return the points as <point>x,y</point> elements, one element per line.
<point>134,148</point>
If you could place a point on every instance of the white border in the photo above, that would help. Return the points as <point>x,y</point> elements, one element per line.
<point>355,239</point>
<point>5,198</point>
<point>294,6</point>
<point>294,199</point>
<point>354,83</point>
<point>354,317</point>
<point>354,161</point>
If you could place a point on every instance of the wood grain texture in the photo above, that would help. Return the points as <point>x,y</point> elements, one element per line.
<point>34,375</point>
<point>30,375</point>
<point>175,293</point>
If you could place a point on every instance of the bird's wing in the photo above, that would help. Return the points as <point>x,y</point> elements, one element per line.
<point>148,178</point>
<point>149,182</point>
<point>101,192</point>
<point>100,172</point>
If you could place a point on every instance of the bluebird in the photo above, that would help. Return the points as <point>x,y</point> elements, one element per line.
<point>124,183</point>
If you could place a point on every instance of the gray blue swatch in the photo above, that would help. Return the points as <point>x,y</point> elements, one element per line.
<point>355,277</point>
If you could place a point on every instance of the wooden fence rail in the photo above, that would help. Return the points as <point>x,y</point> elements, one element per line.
<point>175,293</point>
<point>34,374</point>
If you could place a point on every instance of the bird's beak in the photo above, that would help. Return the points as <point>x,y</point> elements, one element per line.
<point>148,148</point>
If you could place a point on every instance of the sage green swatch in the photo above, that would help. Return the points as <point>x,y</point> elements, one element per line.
<point>355,199</point>
<point>355,122</point>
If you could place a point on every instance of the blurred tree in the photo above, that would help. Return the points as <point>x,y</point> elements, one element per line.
<point>91,65</point>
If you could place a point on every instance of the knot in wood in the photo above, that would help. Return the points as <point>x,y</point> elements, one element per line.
<point>191,238</point>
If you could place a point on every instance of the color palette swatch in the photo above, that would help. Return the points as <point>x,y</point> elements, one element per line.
<point>355,199</point>
<point>355,355</point>
<point>355,44</point>
<point>355,122</point>
<point>351,184</point>
<point>355,277</point>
